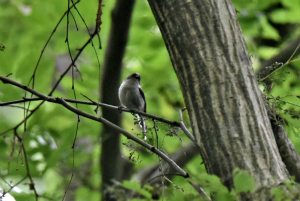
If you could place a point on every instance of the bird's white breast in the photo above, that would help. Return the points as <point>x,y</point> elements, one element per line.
<point>130,96</point>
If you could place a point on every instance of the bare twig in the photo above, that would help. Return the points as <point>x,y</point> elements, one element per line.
<point>40,57</point>
<point>28,115</point>
<point>155,129</point>
<point>46,44</point>
<point>99,22</point>
<point>19,101</point>
<point>181,157</point>
<point>184,128</point>
<point>73,157</point>
<point>17,106</point>
<point>28,174</point>
<point>12,186</point>
<point>99,5</point>
<point>282,56</point>
<point>276,67</point>
<point>126,134</point>
<point>199,189</point>
<point>54,88</point>
<point>43,98</point>
<point>99,119</point>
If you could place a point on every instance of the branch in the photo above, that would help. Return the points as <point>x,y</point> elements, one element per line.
<point>125,133</point>
<point>99,119</point>
<point>287,150</point>
<point>181,157</point>
<point>198,188</point>
<point>184,128</point>
<point>284,57</point>
<point>42,97</point>
<point>56,84</point>
<point>31,184</point>
<point>46,44</point>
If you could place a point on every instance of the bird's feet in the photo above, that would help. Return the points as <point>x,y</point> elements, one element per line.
<point>120,109</point>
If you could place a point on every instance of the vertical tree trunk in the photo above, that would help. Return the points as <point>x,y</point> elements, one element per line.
<point>225,106</point>
<point>113,167</point>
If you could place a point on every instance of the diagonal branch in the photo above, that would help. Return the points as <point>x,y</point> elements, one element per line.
<point>282,56</point>
<point>42,97</point>
<point>181,157</point>
<point>126,134</point>
<point>99,119</point>
<point>56,84</point>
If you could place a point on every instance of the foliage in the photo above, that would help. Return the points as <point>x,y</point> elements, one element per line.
<point>243,182</point>
<point>286,191</point>
<point>26,26</point>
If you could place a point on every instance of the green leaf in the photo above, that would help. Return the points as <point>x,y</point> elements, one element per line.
<point>291,3</point>
<point>243,182</point>
<point>284,16</point>
<point>136,187</point>
<point>278,193</point>
<point>268,31</point>
<point>267,52</point>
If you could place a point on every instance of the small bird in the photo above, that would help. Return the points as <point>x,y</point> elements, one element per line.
<point>131,95</point>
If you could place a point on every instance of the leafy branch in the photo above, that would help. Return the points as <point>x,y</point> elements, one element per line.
<point>277,66</point>
<point>64,102</point>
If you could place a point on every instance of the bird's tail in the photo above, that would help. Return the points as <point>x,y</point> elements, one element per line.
<point>142,124</point>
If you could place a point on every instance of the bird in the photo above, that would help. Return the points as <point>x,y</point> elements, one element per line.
<point>131,96</point>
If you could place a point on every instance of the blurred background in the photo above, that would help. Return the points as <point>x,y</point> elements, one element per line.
<point>272,33</point>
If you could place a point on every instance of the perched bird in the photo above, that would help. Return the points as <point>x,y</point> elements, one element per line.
<point>131,95</point>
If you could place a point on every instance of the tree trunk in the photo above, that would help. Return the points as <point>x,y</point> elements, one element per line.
<point>225,106</point>
<point>113,166</point>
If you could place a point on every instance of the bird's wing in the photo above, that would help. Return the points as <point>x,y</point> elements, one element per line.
<point>143,95</point>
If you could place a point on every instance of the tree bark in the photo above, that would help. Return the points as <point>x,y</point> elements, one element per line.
<point>113,166</point>
<point>227,112</point>
<point>287,150</point>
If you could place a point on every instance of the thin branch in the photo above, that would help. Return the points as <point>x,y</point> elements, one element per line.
<point>184,128</point>
<point>73,161</point>
<point>126,134</point>
<point>198,188</point>
<point>46,44</point>
<point>99,20</point>
<point>99,5</point>
<point>155,129</point>
<point>12,186</point>
<point>181,157</point>
<point>17,106</point>
<point>27,116</point>
<point>42,97</point>
<point>38,62</point>
<point>293,53</point>
<point>162,175</point>
<point>37,107</point>
<point>282,56</point>
<point>262,75</point>
<point>74,19</point>
<point>99,119</point>
<point>28,174</point>
<point>19,101</point>
<point>55,86</point>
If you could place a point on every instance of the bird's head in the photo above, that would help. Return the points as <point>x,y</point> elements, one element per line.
<point>134,76</point>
